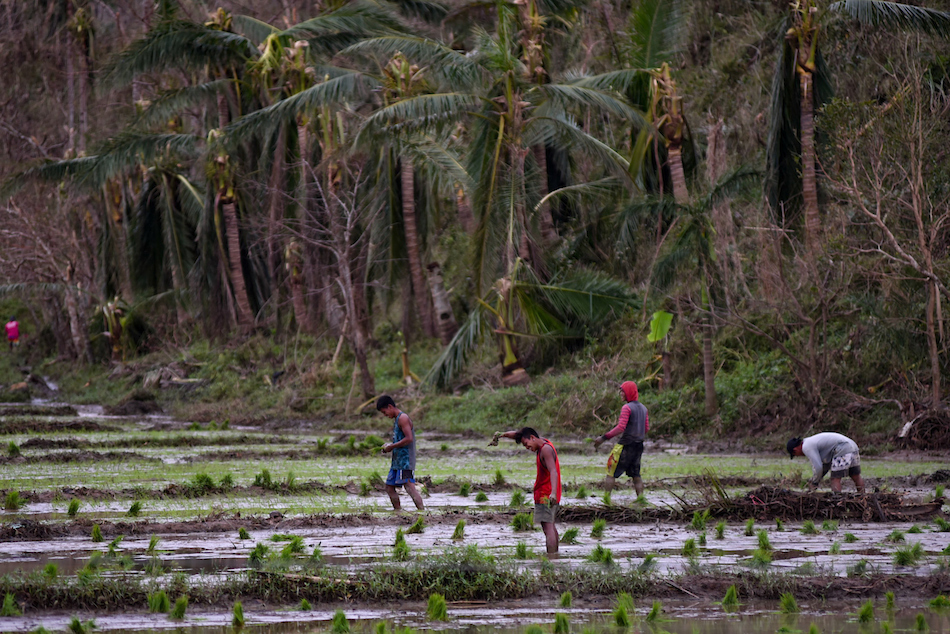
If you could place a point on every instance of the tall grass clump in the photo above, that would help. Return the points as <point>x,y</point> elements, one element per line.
<point>909,555</point>
<point>437,608</point>
<point>601,555</point>
<point>13,501</point>
<point>521,551</point>
<point>499,478</point>
<point>562,625</point>
<point>237,618</point>
<point>158,602</point>
<point>459,530</point>
<point>721,530</point>
<point>181,606</point>
<point>700,519</point>
<point>731,600</point>
<point>787,603</point>
<point>750,527</point>
<point>418,526</point>
<point>597,530</point>
<point>522,522</point>
<point>481,496</point>
<point>73,508</point>
<point>135,509</point>
<point>340,624</point>
<point>10,607</point>
<point>517,498</point>
<point>809,528</point>
<point>570,535</point>
<point>96,533</point>
<point>567,599</point>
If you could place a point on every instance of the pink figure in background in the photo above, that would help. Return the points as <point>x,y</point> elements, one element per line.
<point>13,332</point>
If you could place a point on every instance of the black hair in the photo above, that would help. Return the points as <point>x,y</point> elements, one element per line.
<point>526,432</point>
<point>384,401</point>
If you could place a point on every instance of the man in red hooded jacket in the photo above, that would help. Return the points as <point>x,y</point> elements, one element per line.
<point>632,429</point>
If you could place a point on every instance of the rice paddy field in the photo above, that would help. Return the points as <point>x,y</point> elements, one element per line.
<point>147,524</point>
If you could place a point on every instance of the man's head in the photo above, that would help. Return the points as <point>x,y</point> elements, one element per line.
<point>387,406</point>
<point>794,447</point>
<point>529,438</point>
<point>630,392</point>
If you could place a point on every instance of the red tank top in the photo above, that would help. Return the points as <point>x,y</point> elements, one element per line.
<point>542,484</point>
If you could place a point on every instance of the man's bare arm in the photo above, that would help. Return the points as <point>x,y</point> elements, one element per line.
<point>406,428</point>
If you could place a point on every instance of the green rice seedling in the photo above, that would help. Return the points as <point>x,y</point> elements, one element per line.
<point>400,537</point>
<point>78,627</point>
<point>365,489</point>
<point>281,537</point>
<point>787,603</point>
<point>940,603</point>
<point>201,484</point>
<point>567,599</point>
<point>418,526</point>
<point>304,605</point>
<point>946,551</point>
<point>534,629</point>
<point>829,525</point>
<point>517,498</point>
<point>400,547</point>
<point>376,480</point>
<point>859,569</point>
<point>258,554</point>
<point>761,557</point>
<point>290,482</point>
<point>813,629</point>
<point>942,525</point>
<point>909,555</point>
<point>850,538</point>
<point>920,623</point>
<point>581,493</point>
<point>444,447</point>
<point>701,539</point>
<point>10,608</point>
<point>152,545</point>
<point>915,530</point>
<point>889,601</point>
<point>700,519</point>
<point>835,549</point>
<point>731,600</point>
<point>264,479</point>
<point>601,555</point>
<point>243,534</point>
<point>641,500</point>
<point>522,522</point>
<point>656,612</point>
<point>95,561</point>
<point>135,509</point>
<point>154,567</point>
<point>437,609</point>
<point>499,478</point>
<point>316,557</point>
<point>41,630</point>
<point>226,425</point>
<point>293,547</point>
<point>227,481</point>
<point>96,533</point>
<point>85,576</point>
<point>13,501</point>
<point>50,571</point>
<point>213,425</point>
<point>779,524</point>
<point>340,624</point>
<point>424,491</point>
<point>895,537</point>
<point>809,528</point>
<point>481,496</point>
<point>648,563</point>
<point>178,611</point>
<point>195,426</point>
<point>625,600</point>
<point>764,543</point>
<point>237,618</point>
<point>689,548</point>
<point>158,602</point>
<point>13,450</point>
<point>938,492</point>
<point>750,527</point>
<point>606,499</point>
<point>521,551</point>
<point>621,616</point>
<point>866,612</point>
<point>464,489</point>
<point>721,530</point>
<point>597,530</point>
<point>570,535</point>
<point>73,508</point>
<point>459,532</point>
<point>562,625</point>
<point>381,628</point>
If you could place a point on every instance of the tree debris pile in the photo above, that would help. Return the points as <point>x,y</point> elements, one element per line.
<point>928,431</point>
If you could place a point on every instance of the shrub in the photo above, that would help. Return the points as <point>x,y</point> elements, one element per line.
<point>73,508</point>
<point>481,496</point>
<point>181,605</point>
<point>437,609</point>
<point>940,603</point>
<point>158,602</point>
<point>340,624</point>
<point>522,522</point>
<point>10,607</point>
<point>570,535</point>
<point>597,530</point>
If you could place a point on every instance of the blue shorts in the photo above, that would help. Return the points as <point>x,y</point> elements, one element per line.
<point>399,477</point>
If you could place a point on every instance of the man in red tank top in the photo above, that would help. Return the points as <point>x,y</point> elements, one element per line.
<point>547,484</point>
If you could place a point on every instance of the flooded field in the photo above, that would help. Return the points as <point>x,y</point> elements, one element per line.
<point>103,514</point>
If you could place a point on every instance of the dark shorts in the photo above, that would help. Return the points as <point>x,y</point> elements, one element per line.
<point>399,477</point>
<point>629,462</point>
<point>545,513</point>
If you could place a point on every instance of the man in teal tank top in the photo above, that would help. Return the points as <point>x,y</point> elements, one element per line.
<point>403,448</point>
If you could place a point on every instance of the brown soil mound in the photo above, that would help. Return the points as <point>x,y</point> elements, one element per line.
<point>23,426</point>
<point>79,456</point>
<point>38,410</point>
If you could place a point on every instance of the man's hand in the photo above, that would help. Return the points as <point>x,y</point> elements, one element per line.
<point>386,448</point>
<point>494,439</point>
<point>599,441</point>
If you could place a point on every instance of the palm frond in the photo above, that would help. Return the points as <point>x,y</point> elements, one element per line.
<point>253,29</point>
<point>445,63</point>
<point>21,288</point>
<point>420,112</point>
<point>431,12</point>
<point>895,15</point>
<point>583,297</point>
<point>730,185</point>
<point>359,19</point>
<point>173,102</point>
<point>428,150</point>
<point>599,189</point>
<point>128,150</point>
<point>564,132</point>
<point>573,96</point>
<point>639,214</point>
<point>463,344</point>
<point>655,28</point>
<point>782,185</point>
<point>48,171</point>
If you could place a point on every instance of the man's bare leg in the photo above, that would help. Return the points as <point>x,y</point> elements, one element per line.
<point>609,484</point>
<point>835,484</point>
<point>414,494</point>
<point>550,536</point>
<point>858,483</point>
<point>393,496</point>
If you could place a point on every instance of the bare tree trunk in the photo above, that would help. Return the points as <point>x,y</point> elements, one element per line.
<point>77,321</point>
<point>677,174</point>
<point>729,262</point>
<point>274,247</point>
<point>419,288</point>
<point>809,179</point>
<point>709,368</point>
<point>84,78</point>
<point>443,309</point>
<point>546,222</point>
<point>70,92</point>
<point>231,229</point>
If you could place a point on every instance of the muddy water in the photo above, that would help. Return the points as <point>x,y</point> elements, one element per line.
<point>513,618</point>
